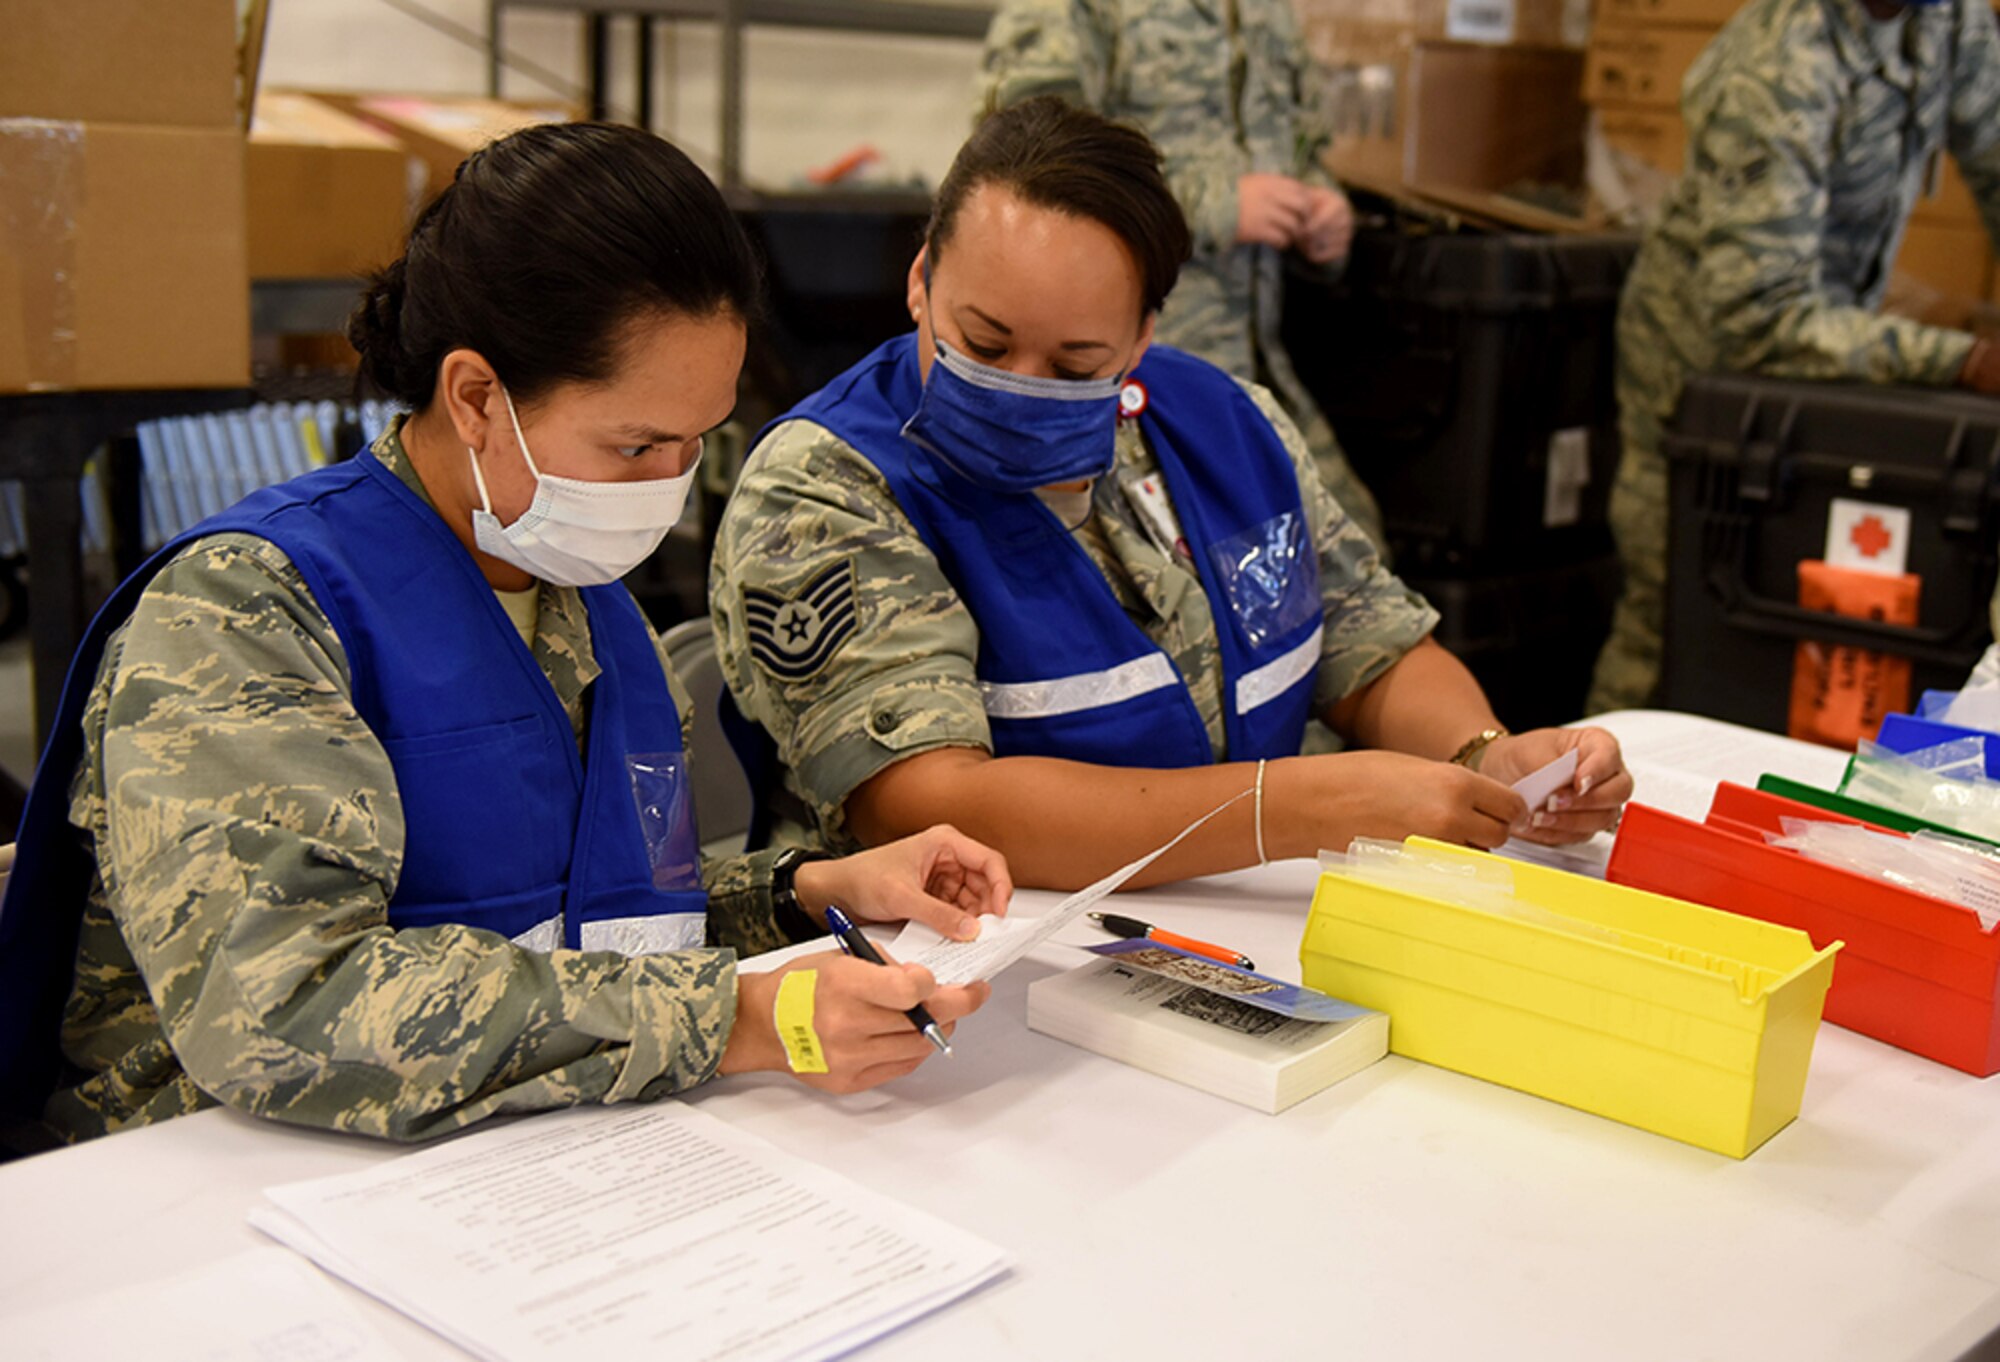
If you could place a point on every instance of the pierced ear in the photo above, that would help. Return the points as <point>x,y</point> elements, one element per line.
<point>469,389</point>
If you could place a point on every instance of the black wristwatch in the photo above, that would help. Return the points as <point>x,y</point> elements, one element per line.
<point>792,919</point>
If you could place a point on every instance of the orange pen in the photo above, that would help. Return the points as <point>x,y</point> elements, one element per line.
<point>1133,929</point>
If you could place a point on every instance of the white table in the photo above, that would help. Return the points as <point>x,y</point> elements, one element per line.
<point>1405,1213</point>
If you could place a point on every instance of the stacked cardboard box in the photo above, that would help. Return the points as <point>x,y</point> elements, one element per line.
<point>1640,52</point>
<point>441,131</point>
<point>328,195</point>
<point>122,257</point>
<point>1457,95</point>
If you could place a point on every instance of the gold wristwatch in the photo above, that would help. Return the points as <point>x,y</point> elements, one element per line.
<point>1470,755</point>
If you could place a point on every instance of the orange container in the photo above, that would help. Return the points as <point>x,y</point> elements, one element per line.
<point>1917,972</point>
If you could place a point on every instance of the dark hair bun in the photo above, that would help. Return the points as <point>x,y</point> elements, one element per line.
<point>546,245</point>
<point>375,330</point>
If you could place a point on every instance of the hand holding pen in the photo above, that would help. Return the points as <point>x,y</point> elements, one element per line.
<point>854,943</point>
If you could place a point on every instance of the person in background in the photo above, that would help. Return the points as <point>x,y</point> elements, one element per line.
<point>1026,571</point>
<point>1229,96</point>
<point>367,805</point>
<point>1813,126</point>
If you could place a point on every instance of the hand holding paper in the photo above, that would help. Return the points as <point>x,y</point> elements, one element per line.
<point>1001,943</point>
<point>1567,804</point>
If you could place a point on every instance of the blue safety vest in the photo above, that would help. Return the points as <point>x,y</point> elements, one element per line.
<point>1063,669</point>
<point>507,827</point>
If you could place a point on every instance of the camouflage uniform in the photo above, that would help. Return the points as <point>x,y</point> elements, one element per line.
<point>1224,90</point>
<point>248,837</point>
<point>900,678</point>
<point>1806,154</point>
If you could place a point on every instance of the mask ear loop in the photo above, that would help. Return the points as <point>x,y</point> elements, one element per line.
<point>519,438</point>
<point>485,501</point>
<point>479,478</point>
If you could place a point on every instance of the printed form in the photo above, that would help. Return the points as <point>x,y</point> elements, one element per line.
<point>656,1231</point>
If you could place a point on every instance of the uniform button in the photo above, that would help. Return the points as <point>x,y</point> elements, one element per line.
<point>885,721</point>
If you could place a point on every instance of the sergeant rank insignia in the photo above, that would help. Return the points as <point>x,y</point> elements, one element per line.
<point>794,636</point>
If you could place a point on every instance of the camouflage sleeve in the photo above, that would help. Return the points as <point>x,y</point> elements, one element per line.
<point>251,840</point>
<point>1042,47</point>
<point>1760,162</point>
<point>837,629</point>
<point>1973,123</point>
<point>1372,619</point>
<point>1144,61</point>
<point>1309,96</point>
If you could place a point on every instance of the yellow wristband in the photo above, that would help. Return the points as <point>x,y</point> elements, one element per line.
<point>793,1012</point>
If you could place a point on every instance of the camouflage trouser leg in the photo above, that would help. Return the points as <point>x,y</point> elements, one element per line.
<point>1628,670</point>
<point>1338,475</point>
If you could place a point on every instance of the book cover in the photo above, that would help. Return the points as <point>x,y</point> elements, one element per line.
<point>1184,1032</point>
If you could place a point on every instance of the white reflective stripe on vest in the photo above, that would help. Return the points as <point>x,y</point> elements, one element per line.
<point>654,934</point>
<point>544,936</point>
<point>1085,690</point>
<point>1279,675</point>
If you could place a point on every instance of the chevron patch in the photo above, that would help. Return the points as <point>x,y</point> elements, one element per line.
<point>794,636</point>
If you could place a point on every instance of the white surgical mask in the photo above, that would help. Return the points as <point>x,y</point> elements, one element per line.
<point>579,533</point>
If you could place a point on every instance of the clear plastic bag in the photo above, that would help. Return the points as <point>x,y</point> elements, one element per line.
<point>1943,784</point>
<point>665,802</point>
<point>1271,576</point>
<point>1486,885</point>
<point>1948,868</point>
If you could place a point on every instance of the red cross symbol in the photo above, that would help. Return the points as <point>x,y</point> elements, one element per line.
<point>1871,536</point>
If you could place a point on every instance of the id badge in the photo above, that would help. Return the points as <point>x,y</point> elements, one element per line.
<point>665,802</point>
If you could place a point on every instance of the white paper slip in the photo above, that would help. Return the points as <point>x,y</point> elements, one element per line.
<point>1000,943</point>
<point>258,1306</point>
<point>654,1231</point>
<point>1537,786</point>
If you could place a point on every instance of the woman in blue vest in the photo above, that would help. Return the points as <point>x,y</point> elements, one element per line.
<point>366,807</point>
<point>1024,571</point>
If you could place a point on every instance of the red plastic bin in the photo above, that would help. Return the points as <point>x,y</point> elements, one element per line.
<point>1917,972</point>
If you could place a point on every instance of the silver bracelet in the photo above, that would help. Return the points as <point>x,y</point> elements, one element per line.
<point>1262,859</point>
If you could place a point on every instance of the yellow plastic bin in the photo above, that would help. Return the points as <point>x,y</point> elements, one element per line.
<point>1687,1021</point>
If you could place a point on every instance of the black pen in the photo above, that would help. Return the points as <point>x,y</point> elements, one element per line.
<point>1133,929</point>
<point>861,948</point>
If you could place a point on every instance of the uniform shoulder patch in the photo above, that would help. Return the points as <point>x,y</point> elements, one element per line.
<point>793,636</point>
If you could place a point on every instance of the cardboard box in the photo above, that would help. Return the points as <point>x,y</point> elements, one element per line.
<point>442,131</point>
<point>1708,14</point>
<point>326,194</point>
<point>1462,116</point>
<point>1338,33</point>
<point>1655,136</point>
<point>120,61</point>
<point>1645,66</point>
<point>1952,259</point>
<point>1953,202</point>
<point>128,267</point>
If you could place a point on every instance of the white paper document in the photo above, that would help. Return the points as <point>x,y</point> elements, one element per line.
<point>262,1305</point>
<point>1002,941</point>
<point>1537,786</point>
<point>604,1232</point>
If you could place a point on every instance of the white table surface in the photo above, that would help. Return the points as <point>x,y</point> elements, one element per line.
<point>1405,1213</point>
